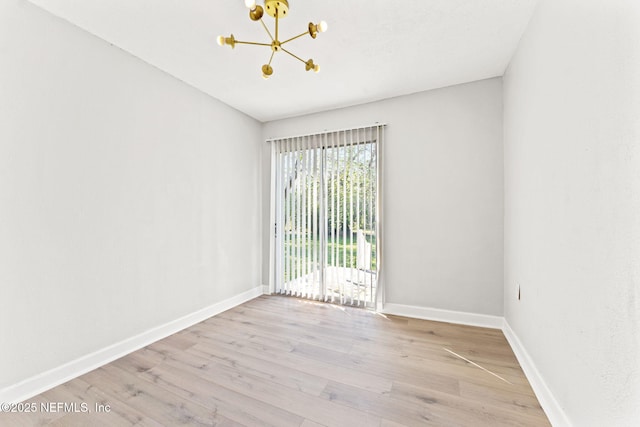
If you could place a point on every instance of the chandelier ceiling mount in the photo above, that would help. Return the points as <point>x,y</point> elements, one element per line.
<point>277,9</point>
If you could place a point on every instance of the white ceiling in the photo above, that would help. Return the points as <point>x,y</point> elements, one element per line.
<point>373,50</point>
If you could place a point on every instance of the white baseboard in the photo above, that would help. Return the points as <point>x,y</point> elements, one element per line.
<point>49,379</point>
<point>552,408</point>
<point>265,290</point>
<point>56,376</point>
<point>439,315</point>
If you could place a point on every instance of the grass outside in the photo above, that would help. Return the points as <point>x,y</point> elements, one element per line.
<point>342,252</point>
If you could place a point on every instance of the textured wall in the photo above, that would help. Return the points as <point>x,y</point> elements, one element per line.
<point>572,203</point>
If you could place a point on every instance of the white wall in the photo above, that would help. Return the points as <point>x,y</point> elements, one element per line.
<point>443,193</point>
<point>572,205</point>
<point>127,198</point>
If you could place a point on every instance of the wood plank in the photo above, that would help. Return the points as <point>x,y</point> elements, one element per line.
<point>467,411</point>
<point>309,423</point>
<point>295,401</point>
<point>163,406</point>
<point>28,419</point>
<point>286,362</point>
<point>80,391</point>
<point>383,405</point>
<point>279,353</point>
<point>237,406</point>
<point>288,376</point>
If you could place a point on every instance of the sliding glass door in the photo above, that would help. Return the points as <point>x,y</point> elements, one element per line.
<point>326,216</point>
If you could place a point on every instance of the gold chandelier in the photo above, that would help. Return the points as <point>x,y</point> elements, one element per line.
<point>276,9</point>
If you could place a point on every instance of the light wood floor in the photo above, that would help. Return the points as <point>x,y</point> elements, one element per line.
<point>281,362</point>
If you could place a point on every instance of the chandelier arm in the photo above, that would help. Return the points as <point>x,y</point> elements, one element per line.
<point>296,37</point>
<point>297,57</point>
<point>266,29</point>
<point>277,26</point>
<point>254,43</point>
<point>271,58</point>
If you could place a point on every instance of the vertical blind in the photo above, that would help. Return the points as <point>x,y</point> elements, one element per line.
<point>326,211</point>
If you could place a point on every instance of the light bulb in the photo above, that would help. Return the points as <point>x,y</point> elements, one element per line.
<point>316,68</point>
<point>267,70</point>
<point>221,40</point>
<point>251,4</point>
<point>323,26</point>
